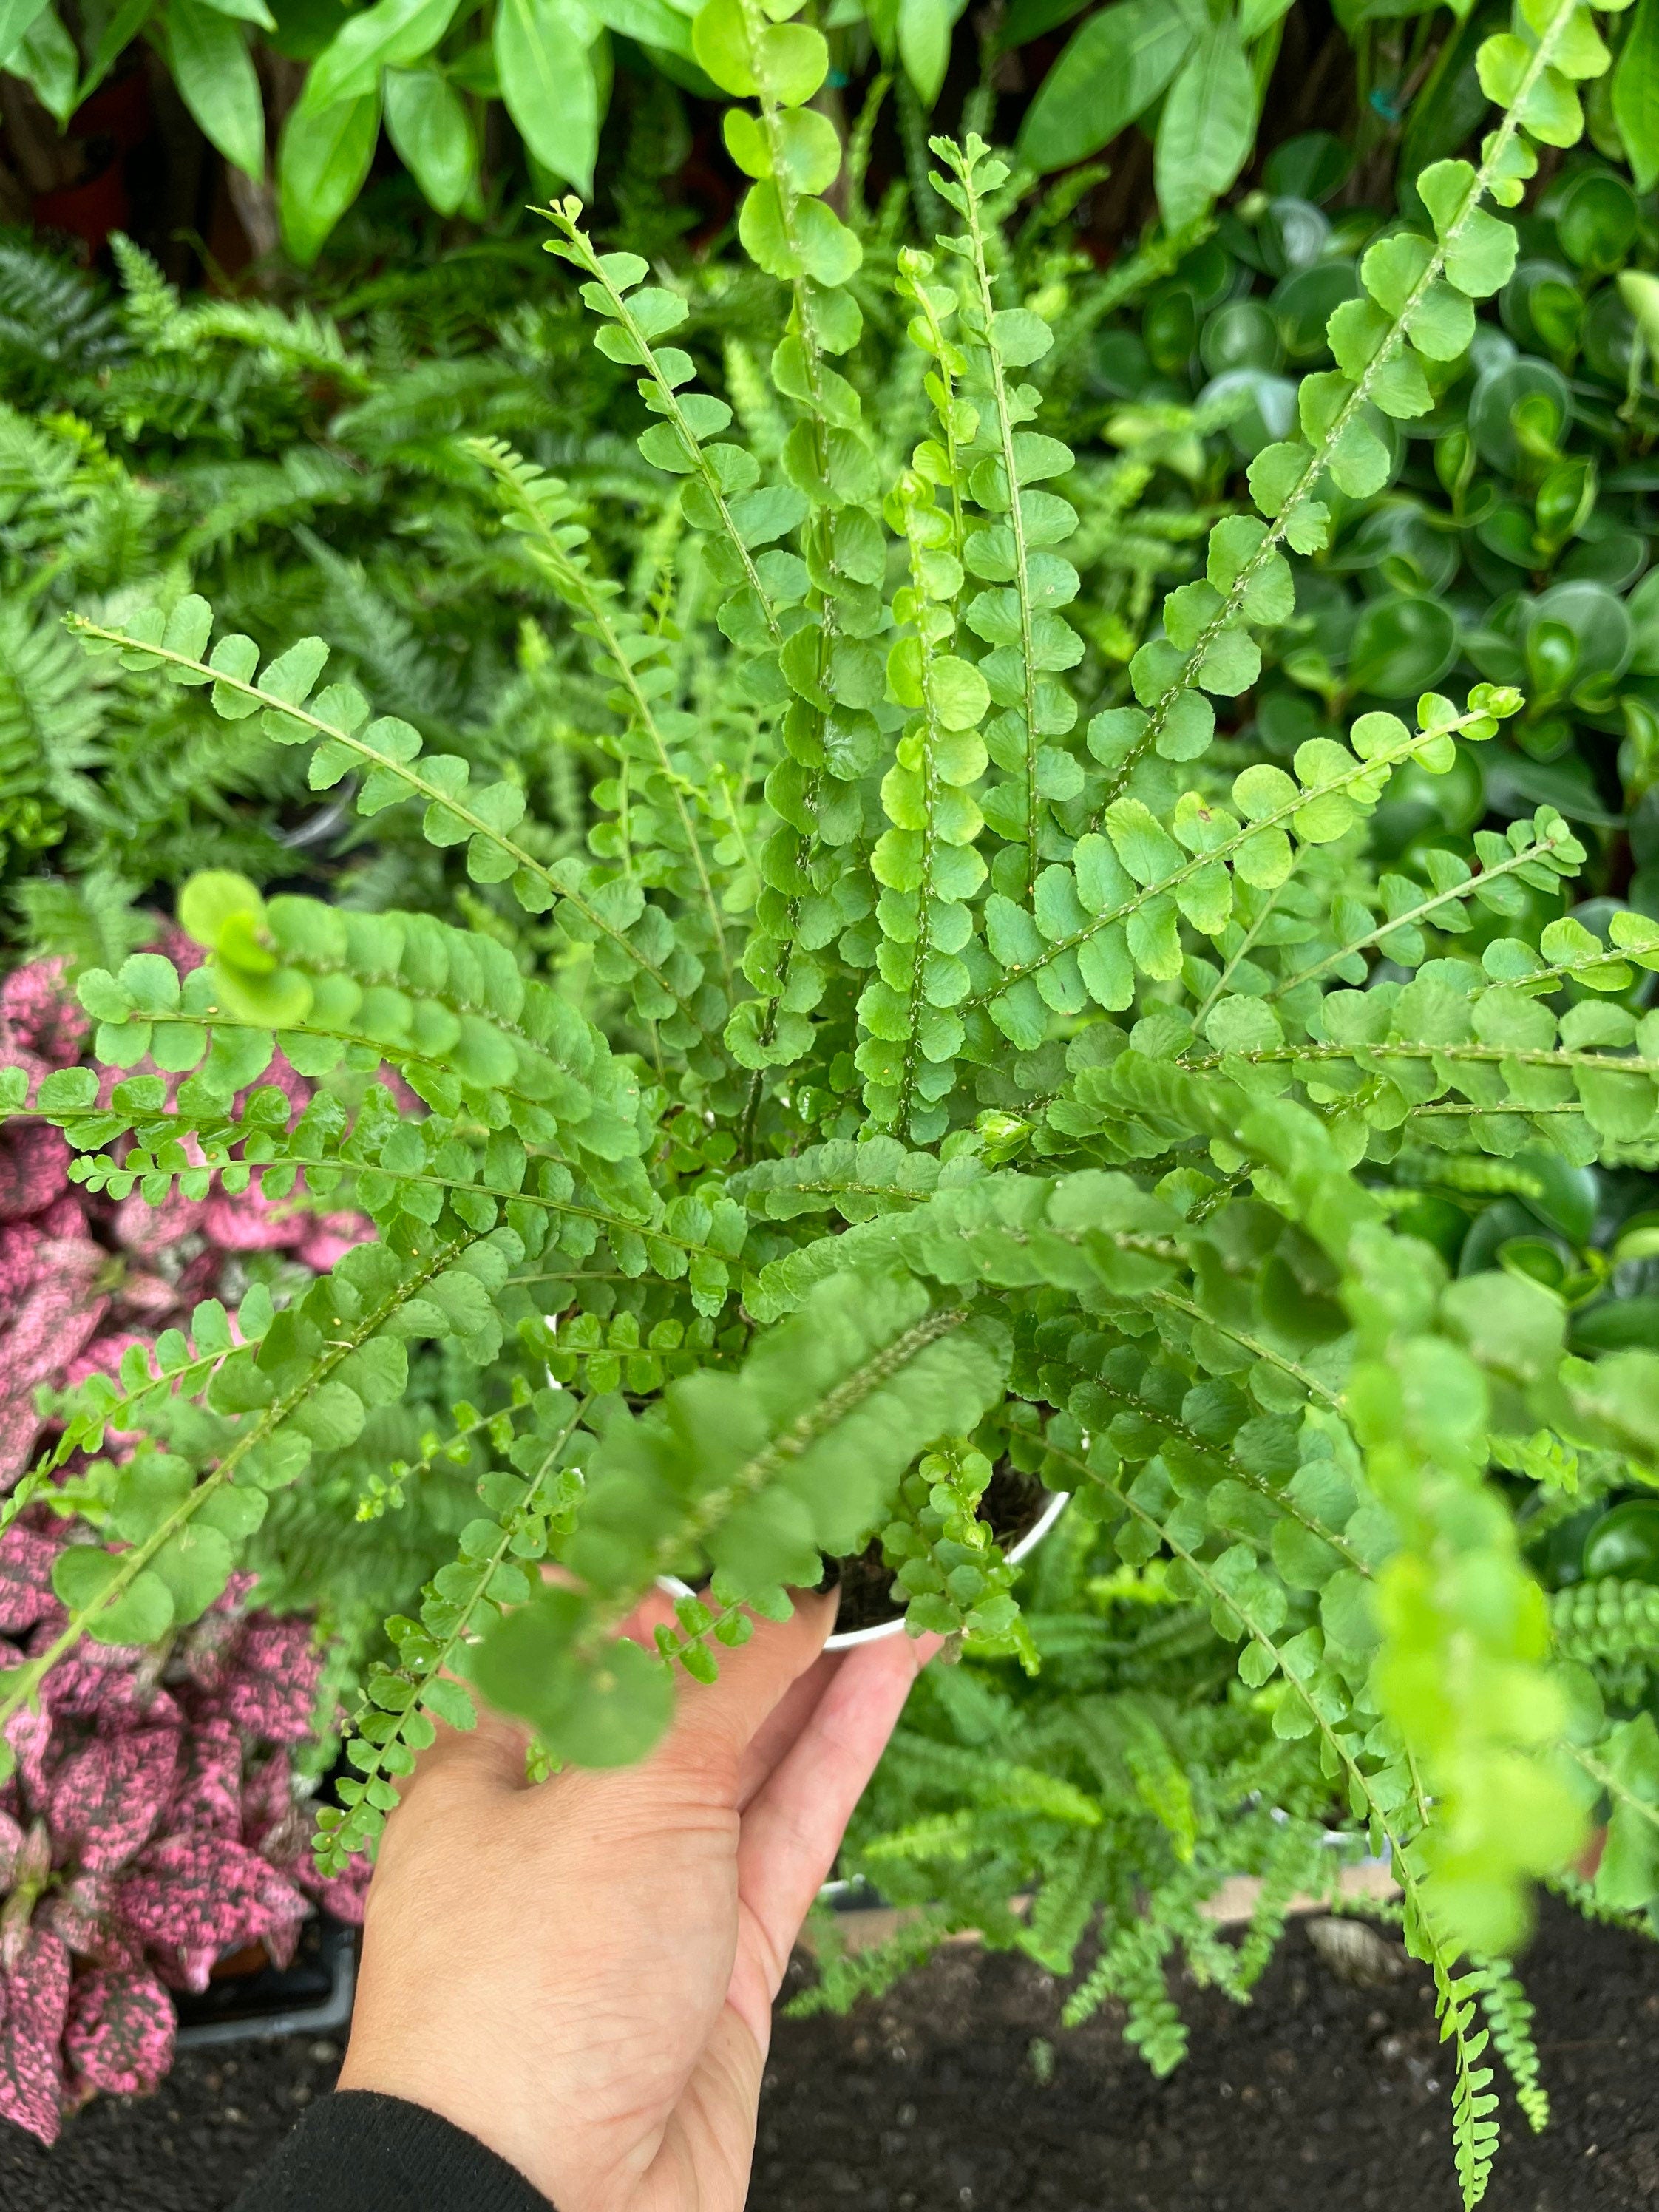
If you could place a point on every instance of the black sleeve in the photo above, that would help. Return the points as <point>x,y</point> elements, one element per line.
<point>358,2152</point>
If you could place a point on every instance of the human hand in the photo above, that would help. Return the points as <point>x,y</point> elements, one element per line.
<point>581,1973</point>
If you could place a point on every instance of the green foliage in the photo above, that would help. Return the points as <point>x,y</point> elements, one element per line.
<point>940,1032</point>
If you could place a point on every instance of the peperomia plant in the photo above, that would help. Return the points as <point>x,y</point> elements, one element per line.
<point>942,1049</point>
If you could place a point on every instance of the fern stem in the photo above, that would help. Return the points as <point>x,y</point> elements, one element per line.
<point>576,585</point>
<point>1016,517</point>
<point>25,1680</point>
<point>466,1608</point>
<point>1269,907</point>
<point>593,264</point>
<point>1253,1345</point>
<point>405,774</point>
<point>1522,1055</point>
<point>1159,1418</point>
<point>1361,771</point>
<point>1539,850</point>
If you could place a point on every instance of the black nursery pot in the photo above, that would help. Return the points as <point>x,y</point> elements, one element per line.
<point>249,2000</point>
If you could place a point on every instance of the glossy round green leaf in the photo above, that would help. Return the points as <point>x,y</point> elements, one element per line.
<point>1596,220</point>
<point>1608,336</point>
<point>1542,306</point>
<point>1518,413</point>
<point>1310,166</point>
<point>1269,412</point>
<point>1618,1325</point>
<point>1401,647</point>
<point>1397,541</point>
<point>1303,303</point>
<point>1576,634</point>
<point>1624,1542</point>
<point>1169,325</point>
<point>1209,272</point>
<point>1240,334</point>
<point>1293,235</point>
<point>1612,557</point>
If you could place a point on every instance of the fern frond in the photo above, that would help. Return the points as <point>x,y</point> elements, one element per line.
<point>1509,2013</point>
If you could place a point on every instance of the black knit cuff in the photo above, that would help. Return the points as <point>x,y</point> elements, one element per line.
<point>356,2151</point>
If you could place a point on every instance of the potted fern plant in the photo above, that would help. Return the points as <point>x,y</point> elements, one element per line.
<point>958,1050</point>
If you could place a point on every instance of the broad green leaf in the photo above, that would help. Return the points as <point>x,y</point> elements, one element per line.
<point>549,85</point>
<point>15,17</point>
<point>924,42</point>
<point>216,81</point>
<point>652,22</point>
<point>320,167</point>
<point>427,124</point>
<point>118,33</point>
<point>1636,94</point>
<point>390,36</point>
<point>1206,130</point>
<point>47,60</point>
<point>1111,72</point>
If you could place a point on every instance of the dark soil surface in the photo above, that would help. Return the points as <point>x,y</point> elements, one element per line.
<point>1321,2094</point>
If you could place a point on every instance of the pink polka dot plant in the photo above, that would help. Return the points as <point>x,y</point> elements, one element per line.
<point>153,1824</point>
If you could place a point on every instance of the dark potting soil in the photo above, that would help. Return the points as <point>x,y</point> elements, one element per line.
<point>961,2092</point>
<point>1012,1504</point>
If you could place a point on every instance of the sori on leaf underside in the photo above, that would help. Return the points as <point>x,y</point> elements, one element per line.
<point>950,1034</point>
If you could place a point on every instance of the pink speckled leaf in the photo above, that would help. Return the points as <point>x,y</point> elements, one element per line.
<point>148,1298</point>
<point>272,1689</point>
<point>345,1895</point>
<point>11,1849</point>
<point>146,1230</point>
<point>55,1317</point>
<point>26,1554</point>
<point>19,1425</point>
<point>207,1651</point>
<point>282,1943</point>
<point>36,1999</point>
<point>29,1735</point>
<point>107,1797</point>
<point>208,1791</point>
<point>120,2031</point>
<point>38,1015</point>
<point>20,1261</point>
<point>329,1239</point>
<point>201,1891</point>
<point>34,1167</point>
<point>111,1684</point>
<point>186,1970</point>
<point>249,1223</point>
<point>83,1913</point>
<point>267,1799</point>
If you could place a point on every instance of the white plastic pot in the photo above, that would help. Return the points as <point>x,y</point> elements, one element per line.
<point>845,1639</point>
